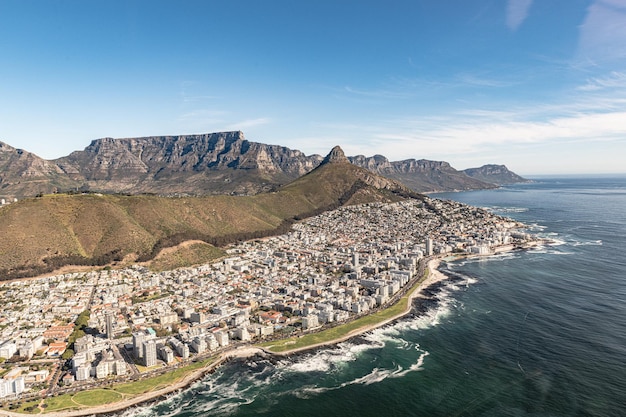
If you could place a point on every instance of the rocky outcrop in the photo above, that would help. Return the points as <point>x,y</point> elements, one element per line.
<point>336,155</point>
<point>496,174</point>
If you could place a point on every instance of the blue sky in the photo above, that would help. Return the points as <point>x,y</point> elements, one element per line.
<point>534,84</point>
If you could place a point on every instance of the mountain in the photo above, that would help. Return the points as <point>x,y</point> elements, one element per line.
<point>422,175</point>
<point>25,174</point>
<point>214,163</point>
<point>45,233</point>
<point>206,164</point>
<point>496,174</point>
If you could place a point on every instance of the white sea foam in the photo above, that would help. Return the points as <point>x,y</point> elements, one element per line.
<point>221,398</point>
<point>498,209</point>
<point>588,243</point>
<point>378,375</point>
<point>325,359</point>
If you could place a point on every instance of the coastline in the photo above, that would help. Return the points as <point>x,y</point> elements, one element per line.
<point>433,276</point>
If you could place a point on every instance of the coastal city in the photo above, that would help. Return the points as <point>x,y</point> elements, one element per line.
<point>89,329</point>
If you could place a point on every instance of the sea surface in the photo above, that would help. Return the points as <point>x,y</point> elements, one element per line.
<point>528,333</point>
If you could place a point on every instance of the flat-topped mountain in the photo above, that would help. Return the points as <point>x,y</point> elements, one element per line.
<point>45,233</point>
<point>214,163</point>
<point>206,164</point>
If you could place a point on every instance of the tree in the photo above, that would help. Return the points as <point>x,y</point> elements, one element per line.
<point>83,319</point>
<point>68,354</point>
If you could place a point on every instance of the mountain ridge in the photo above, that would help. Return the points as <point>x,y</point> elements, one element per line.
<point>200,164</point>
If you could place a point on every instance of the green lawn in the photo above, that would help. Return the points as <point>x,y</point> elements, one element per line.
<point>62,402</point>
<point>97,397</point>
<point>338,332</point>
<point>151,384</point>
<point>29,407</point>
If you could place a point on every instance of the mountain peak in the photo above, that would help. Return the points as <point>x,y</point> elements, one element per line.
<point>335,155</point>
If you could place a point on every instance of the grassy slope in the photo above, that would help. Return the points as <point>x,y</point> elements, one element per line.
<point>93,225</point>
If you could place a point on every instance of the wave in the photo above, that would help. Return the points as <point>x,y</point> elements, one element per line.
<point>587,243</point>
<point>500,209</point>
<point>375,376</point>
<point>378,375</point>
<point>498,257</point>
<point>325,359</point>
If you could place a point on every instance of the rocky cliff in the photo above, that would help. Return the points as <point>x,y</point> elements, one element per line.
<point>421,175</point>
<point>214,163</point>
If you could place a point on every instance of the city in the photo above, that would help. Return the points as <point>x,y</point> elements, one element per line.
<point>85,329</point>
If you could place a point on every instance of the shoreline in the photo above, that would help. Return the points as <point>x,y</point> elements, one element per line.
<point>433,276</point>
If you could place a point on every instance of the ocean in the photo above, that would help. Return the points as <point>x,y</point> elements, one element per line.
<point>527,333</point>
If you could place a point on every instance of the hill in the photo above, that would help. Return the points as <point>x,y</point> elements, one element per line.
<point>496,174</point>
<point>45,233</point>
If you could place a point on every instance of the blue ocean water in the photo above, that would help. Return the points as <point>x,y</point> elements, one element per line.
<point>530,333</point>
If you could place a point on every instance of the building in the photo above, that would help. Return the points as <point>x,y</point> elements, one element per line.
<point>11,386</point>
<point>150,353</point>
<point>166,354</point>
<point>59,332</point>
<point>242,334</point>
<point>168,318</point>
<point>221,337</point>
<point>138,340</point>
<point>8,349</point>
<point>83,372</point>
<point>109,325</point>
<point>198,344</point>
<point>181,348</point>
<point>310,322</point>
<point>429,247</point>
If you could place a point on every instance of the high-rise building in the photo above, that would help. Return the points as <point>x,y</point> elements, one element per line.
<point>150,353</point>
<point>355,259</point>
<point>109,325</point>
<point>429,247</point>
<point>138,339</point>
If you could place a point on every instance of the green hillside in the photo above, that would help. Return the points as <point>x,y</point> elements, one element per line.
<point>45,233</point>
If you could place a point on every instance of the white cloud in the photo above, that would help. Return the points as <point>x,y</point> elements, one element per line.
<point>615,79</point>
<point>245,124</point>
<point>603,32</point>
<point>516,13</point>
<point>588,127</point>
<point>474,80</point>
